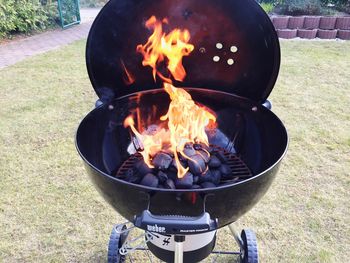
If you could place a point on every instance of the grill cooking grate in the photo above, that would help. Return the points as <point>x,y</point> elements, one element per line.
<point>239,169</point>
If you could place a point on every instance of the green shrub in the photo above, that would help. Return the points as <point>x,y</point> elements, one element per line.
<point>311,7</point>
<point>268,7</point>
<point>341,5</point>
<point>273,2</point>
<point>300,7</point>
<point>7,17</point>
<point>30,16</point>
<point>335,2</point>
<point>23,16</point>
<point>93,3</point>
<point>51,10</point>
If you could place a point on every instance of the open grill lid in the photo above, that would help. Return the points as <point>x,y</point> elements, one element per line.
<point>236,46</point>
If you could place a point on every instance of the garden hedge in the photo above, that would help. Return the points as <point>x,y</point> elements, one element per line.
<point>305,7</point>
<point>22,16</point>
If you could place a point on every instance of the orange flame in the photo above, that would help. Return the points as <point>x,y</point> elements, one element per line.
<point>151,143</point>
<point>159,46</point>
<point>186,120</point>
<point>128,78</point>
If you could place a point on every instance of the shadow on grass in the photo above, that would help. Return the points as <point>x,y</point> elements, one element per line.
<point>101,256</point>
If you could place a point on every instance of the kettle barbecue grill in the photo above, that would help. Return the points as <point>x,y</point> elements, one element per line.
<point>231,71</point>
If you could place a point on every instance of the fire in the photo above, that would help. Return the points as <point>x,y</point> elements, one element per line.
<point>186,120</point>
<point>128,78</point>
<point>159,46</point>
<point>151,142</point>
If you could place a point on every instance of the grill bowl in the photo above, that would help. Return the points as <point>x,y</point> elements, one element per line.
<point>254,132</point>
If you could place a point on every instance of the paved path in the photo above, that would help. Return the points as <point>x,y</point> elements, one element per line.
<point>17,50</point>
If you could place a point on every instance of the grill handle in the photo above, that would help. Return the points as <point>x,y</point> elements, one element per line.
<point>175,224</point>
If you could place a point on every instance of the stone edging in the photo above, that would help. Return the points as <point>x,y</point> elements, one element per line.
<point>309,27</point>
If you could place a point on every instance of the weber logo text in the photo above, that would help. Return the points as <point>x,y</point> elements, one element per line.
<point>156,228</point>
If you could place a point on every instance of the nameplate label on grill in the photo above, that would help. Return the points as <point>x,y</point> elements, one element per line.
<point>156,228</point>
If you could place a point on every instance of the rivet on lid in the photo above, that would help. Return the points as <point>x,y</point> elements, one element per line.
<point>230,61</point>
<point>216,58</point>
<point>219,46</point>
<point>233,49</point>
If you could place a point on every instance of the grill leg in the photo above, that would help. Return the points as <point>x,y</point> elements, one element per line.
<point>236,236</point>
<point>179,249</point>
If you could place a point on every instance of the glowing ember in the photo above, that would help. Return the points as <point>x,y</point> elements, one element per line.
<point>186,120</point>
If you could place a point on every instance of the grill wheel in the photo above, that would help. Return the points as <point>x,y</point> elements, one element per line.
<point>250,246</point>
<point>116,240</point>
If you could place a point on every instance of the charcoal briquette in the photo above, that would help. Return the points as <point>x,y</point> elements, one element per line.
<point>205,177</point>
<point>217,137</point>
<point>162,161</point>
<point>132,176</point>
<point>221,156</point>
<point>216,176</point>
<point>135,179</point>
<point>207,185</point>
<point>162,177</point>
<point>128,173</point>
<point>201,146</point>
<point>214,162</point>
<point>169,184</point>
<point>183,162</point>
<point>225,171</point>
<point>212,176</point>
<point>189,150</point>
<point>150,180</point>
<point>197,146</point>
<point>173,166</point>
<point>172,175</point>
<point>196,164</point>
<point>169,152</point>
<point>151,129</point>
<point>205,147</point>
<point>204,154</point>
<point>185,182</point>
<point>142,168</point>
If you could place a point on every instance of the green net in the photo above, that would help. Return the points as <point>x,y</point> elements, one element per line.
<point>69,12</point>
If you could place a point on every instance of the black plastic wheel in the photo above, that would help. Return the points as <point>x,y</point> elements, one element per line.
<point>116,240</point>
<point>250,246</point>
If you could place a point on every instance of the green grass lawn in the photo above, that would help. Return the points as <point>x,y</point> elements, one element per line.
<point>50,211</point>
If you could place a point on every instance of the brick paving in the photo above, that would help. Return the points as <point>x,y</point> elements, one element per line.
<point>17,50</point>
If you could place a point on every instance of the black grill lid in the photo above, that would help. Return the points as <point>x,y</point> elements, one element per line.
<point>230,31</point>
